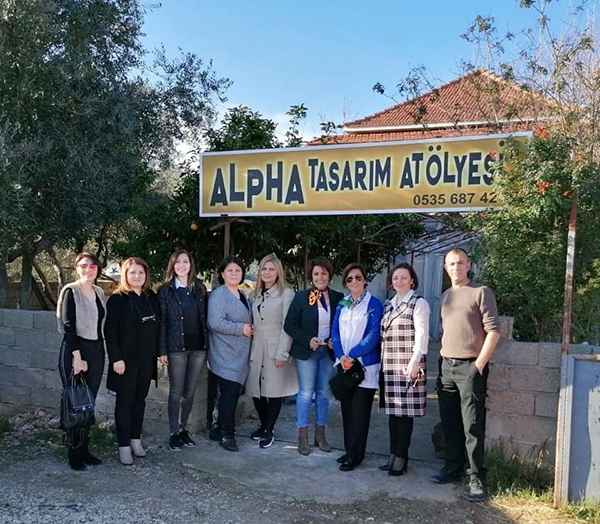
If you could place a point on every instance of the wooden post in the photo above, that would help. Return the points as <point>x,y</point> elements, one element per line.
<point>226,237</point>
<point>560,473</point>
<point>226,225</point>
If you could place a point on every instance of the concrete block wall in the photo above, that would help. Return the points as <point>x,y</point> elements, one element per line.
<point>29,349</point>
<point>523,390</point>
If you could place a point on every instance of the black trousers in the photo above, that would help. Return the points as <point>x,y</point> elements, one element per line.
<point>130,403</point>
<point>92,351</point>
<point>268,410</point>
<point>356,416</point>
<point>461,392</point>
<point>401,428</point>
<point>229,393</point>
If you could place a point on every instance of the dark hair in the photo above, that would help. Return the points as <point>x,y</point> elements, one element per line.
<point>170,272</point>
<point>93,258</point>
<point>321,262</point>
<point>230,260</point>
<point>350,267</point>
<point>411,271</point>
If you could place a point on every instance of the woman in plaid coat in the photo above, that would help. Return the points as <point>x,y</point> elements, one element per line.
<point>404,339</point>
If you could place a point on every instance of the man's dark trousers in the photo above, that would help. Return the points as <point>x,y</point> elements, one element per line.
<point>461,392</point>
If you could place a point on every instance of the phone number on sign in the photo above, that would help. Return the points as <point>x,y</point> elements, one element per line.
<point>440,199</point>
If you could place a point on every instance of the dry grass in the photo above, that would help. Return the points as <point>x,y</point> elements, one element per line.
<point>523,490</point>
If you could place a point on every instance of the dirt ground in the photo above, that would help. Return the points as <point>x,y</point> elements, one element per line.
<point>173,487</point>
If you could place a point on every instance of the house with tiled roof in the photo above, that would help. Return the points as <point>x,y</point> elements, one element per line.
<point>478,103</point>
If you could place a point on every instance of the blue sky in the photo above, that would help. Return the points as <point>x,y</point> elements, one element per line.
<point>325,54</point>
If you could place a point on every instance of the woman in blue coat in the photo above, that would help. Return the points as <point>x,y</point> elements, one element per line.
<point>355,336</point>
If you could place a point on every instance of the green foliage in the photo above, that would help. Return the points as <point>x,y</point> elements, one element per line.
<point>76,102</point>
<point>102,440</point>
<point>524,242</point>
<point>297,113</point>
<point>242,128</point>
<point>510,474</point>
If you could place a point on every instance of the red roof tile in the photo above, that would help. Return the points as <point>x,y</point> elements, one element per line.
<point>479,96</point>
<point>478,103</point>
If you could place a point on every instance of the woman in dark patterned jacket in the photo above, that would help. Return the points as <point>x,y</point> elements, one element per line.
<point>404,340</point>
<point>183,340</point>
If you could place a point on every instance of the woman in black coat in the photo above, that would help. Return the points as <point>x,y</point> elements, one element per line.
<point>183,340</point>
<point>308,322</point>
<point>132,331</point>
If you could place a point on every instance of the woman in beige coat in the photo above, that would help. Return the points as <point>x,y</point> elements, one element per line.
<point>272,372</point>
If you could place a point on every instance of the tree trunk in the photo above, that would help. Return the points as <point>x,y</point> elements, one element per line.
<point>50,299</point>
<point>60,275</point>
<point>26,281</point>
<point>3,284</point>
<point>41,297</point>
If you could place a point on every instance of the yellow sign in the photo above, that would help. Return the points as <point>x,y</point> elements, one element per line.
<point>452,174</point>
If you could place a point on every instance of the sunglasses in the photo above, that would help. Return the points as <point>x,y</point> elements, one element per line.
<point>358,278</point>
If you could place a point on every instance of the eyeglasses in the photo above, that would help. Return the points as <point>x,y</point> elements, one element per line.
<point>358,278</point>
<point>87,266</point>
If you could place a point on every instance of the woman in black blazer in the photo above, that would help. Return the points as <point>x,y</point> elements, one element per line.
<point>308,322</point>
<point>132,334</point>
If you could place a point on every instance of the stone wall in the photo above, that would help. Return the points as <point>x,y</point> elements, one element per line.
<point>522,404</point>
<point>29,348</point>
<point>523,388</point>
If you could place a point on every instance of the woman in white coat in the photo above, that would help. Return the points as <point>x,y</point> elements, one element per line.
<point>272,372</point>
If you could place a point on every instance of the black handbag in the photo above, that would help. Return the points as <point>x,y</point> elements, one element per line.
<point>344,383</point>
<point>76,404</point>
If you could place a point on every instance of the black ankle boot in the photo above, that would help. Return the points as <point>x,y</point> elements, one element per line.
<point>75,459</point>
<point>74,451</point>
<point>398,466</point>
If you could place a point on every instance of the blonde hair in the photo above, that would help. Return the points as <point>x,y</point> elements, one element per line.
<point>280,273</point>
<point>170,272</point>
<point>124,286</point>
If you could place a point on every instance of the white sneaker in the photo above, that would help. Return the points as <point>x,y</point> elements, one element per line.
<point>125,455</point>
<point>136,447</point>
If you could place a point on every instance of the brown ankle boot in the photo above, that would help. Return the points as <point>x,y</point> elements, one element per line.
<point>321,439</point>
<point>303,447</point>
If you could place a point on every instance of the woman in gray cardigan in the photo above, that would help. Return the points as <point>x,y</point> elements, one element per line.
<point>230,332</point>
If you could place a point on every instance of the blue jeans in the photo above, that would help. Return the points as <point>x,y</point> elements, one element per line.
<point>313,378</point>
